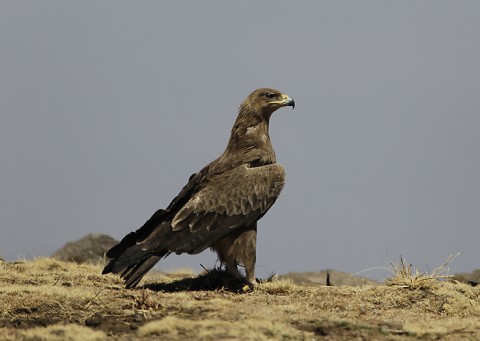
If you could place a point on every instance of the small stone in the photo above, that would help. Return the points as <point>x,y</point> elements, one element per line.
<point>93,321</point>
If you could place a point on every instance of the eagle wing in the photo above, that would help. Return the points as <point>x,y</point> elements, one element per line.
<point>225,201</point>
<point>206,210</point>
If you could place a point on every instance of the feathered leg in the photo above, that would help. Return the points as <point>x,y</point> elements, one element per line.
<point>239,248</point>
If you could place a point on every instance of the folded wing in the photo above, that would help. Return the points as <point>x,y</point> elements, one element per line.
<point>207,209</point>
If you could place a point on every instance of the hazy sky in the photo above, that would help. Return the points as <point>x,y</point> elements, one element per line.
<point>107,107</point>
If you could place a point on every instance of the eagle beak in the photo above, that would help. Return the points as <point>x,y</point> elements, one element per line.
<point>288,101</point>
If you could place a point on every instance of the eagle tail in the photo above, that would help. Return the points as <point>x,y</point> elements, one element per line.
<point>133,274</point>
<point>133,263</point>
<point>129,259</point>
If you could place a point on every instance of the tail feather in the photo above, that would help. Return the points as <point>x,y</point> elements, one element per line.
<point>135,273</point>
<point>133,263</point>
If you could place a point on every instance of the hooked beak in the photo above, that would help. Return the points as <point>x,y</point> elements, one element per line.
<point>288,101</point>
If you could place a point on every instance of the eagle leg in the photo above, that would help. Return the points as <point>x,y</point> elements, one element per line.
<point>250,272</point>
<point>249,280</point>
<point>231,267</point>
<point>239,248</point>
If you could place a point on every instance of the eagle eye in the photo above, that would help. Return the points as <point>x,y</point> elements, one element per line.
<point>270,95</point>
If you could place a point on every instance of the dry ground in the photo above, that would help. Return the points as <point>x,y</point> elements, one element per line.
<point>45,299</point>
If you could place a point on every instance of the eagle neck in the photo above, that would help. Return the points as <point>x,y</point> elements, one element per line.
<point>250,140</point>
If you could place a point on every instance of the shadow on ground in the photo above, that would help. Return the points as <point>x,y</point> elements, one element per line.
<point>212,280</point>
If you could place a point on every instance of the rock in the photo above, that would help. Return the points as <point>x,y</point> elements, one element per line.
<point>335,278</point>
<point>89,249</point>
<point>471,278</point>
<point>475,276</point>
<point>94,321</point>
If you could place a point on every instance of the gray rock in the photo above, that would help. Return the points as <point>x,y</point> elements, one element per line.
<point>335,278</point>
<point>89,249</point>
<point>468,278</point>
<point>475,276</point>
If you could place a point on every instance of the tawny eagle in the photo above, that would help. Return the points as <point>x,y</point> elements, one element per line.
<point>219,206</point>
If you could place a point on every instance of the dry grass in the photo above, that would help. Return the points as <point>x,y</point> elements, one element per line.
<point>408,276</point>
<point>45,299</point>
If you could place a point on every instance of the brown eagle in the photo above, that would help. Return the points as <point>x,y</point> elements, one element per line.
<point>219,206</point>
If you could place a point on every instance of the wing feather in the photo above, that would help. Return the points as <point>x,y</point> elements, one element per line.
<point>238,192</point>
<point>207,210</point>
<point>234,198</point>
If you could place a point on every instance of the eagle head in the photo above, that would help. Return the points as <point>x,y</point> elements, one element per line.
<point>266,101</point>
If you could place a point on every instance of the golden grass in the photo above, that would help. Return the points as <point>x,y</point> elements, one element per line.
<point>57,333</point>
<point>409,276</point>
<point>172,327</point>
<point>50,300</point>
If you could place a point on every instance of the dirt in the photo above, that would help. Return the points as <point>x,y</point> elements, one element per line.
<point>47,299</point>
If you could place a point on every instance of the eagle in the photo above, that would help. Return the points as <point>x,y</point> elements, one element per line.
<point>219,206</point>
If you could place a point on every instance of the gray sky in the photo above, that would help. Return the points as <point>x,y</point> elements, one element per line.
<point>107,107</point>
